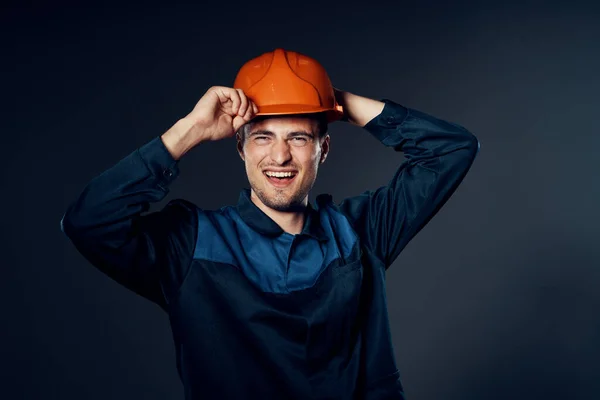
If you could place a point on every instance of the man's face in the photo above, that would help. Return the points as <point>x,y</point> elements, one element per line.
<point>282,157</point>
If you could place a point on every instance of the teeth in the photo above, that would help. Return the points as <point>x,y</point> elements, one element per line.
<point>280,174</point>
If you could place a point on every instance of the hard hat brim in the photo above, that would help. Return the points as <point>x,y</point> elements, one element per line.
<point>296,109</point>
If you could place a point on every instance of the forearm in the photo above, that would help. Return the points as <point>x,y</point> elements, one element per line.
<point>108,203</point>
<point>359,109</point>
<point>421,136</point>
<point>180,138</point>
<point>407,130</point>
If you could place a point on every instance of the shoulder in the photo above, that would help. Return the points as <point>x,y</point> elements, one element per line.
<point>183,206</point>
<point>181,212</point>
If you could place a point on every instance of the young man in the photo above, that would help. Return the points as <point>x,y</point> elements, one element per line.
<point>273,298</point>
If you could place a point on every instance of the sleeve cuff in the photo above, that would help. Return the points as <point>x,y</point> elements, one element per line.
<point>385,125</point>
<point>159,161</point>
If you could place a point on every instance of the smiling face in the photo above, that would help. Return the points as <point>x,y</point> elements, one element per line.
<point>282,157</point>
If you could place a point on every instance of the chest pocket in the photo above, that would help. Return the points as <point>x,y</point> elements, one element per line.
<point>331,312</point>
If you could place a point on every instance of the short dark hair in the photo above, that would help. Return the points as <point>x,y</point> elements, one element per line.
<point>320,117</point>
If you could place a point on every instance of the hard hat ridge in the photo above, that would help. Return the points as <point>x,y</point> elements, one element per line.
<point>287,82</point>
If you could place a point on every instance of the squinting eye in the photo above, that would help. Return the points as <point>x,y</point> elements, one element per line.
<point>299,140</point>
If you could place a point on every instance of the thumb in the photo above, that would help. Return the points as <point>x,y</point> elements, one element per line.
<point>238,122</point>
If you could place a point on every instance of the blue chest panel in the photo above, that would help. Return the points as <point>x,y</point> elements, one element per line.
<point>281,264</point>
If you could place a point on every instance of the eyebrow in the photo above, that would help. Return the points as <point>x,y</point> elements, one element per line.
<point>263,132</point>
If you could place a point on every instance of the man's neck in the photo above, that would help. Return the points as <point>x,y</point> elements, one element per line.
<point>291,222</point>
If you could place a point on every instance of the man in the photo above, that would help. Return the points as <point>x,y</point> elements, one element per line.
<point>274,298</point>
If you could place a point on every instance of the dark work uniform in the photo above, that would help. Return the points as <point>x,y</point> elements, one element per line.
<point>257,313</point>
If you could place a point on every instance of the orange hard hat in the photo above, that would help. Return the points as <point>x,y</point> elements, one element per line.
<point>286,82</point>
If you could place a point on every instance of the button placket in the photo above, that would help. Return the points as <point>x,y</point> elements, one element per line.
<point>293,245</point>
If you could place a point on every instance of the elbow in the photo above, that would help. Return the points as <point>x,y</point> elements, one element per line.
<point>470,151</point>
<point>66,225</point>
<point>69,224</point>
<point>473,145</point>
<point>464,140</point>
<point>464,150</point>
<point>470,143</point>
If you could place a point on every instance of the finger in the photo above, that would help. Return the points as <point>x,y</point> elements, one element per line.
<point>224,96</point>
<point>234,96</point>
<point>237,123</point>
<point>250,111</point>
<point>221,93</point>
<point>255,107</point>
<point>243,102</point>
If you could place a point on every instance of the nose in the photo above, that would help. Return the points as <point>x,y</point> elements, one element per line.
<point>280,152</point>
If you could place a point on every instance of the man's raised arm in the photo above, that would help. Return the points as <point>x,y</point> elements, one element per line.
<point>150,254</point>
<point>438,156</point>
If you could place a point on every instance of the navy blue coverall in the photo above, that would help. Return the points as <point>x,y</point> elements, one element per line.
<point>256,312</point>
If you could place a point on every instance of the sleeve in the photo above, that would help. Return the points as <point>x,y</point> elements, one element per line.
<point>438,156</point>
<point>148,254</point>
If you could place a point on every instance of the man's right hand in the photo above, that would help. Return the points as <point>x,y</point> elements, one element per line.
<point>221,112</point>
<point>217,115</point>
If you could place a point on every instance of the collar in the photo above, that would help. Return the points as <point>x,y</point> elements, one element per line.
<point>262,223</point>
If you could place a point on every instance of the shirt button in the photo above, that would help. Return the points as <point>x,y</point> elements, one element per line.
<point>167,173</point>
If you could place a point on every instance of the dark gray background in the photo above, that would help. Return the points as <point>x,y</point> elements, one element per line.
<point>496,298</point>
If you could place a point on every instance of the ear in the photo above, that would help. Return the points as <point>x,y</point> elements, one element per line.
<point>240,146</point>
<point>324,149</point>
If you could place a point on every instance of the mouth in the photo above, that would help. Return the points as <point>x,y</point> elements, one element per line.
<point>280,179</point>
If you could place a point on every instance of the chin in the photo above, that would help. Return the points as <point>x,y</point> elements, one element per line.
<point>287,207</point>
<point>278,202</point>
<point>281,204</point>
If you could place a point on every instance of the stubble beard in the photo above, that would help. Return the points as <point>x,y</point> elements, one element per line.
<point>280,201</point>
